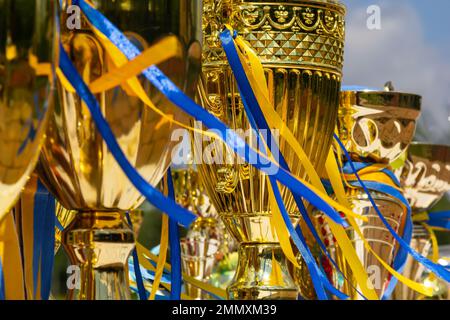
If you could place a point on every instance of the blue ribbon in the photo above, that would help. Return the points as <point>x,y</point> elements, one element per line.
<point>257,120</point>
<point>155,197</point>
<point>435,268</point>
<point>358,88</point>
<point>176,96</point>
<point>137,270</point>
<point>2,282</point>
<point>439,219</point>
<point>175,247</point>
<point>43,240</point>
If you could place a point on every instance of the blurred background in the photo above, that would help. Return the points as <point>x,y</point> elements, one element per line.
<point>411,48</point>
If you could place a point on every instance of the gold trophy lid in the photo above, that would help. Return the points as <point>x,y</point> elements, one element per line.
<point>377,125</point>
<point>425,175</point>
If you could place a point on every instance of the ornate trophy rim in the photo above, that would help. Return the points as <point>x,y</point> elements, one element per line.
<point>415,100</point>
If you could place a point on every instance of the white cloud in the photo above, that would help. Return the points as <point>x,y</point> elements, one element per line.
<point>400,52</point>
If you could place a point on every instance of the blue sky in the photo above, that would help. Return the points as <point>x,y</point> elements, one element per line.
<point>412,49</point>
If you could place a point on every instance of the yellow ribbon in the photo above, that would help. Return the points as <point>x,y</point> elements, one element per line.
<point>11,259</point>
<point>145,254</point>
<point>162,256</point>
<point>255,74</point>
<point>338,187</point>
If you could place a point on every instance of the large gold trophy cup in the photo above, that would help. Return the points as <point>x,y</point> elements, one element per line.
<point>376,128</point>
<point>300,44</point>
<point>27,52</point>
<point>77,166</point>
<point>425,178</point>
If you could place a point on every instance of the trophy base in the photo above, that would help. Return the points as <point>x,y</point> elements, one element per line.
<point>98,245</point>
<point>262,274</point>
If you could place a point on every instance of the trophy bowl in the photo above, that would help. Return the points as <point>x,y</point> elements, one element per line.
<point>76,165</point>
<point>425,175</point>
<point>27,54</point>
<point>300,44</point>
<point>425,178</point>
<point>375,127</point>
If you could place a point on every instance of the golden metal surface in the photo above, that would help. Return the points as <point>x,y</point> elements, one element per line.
<point>300,44</point>
<point>425,176</point>
<point>26,38</point>
<point>377,126</point>
<point>65,217</point>
<point>377,235</point>
<point>207,241</point>
<point>198,256</point>
<point>100,244</point>
<point>76,164</point>
<point>421,243</point>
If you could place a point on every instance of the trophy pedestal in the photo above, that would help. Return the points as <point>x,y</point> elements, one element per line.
<point>262,273</point>
<point>99,244</point>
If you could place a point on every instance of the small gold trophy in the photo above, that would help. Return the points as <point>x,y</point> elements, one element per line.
<point>200,247</point>
<point>376,127</point>
<point>425,178</point>
<point>300,44</point>
<point>77,166</point>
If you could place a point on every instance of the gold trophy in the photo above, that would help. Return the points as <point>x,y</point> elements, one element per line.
<point>77,166</point>
<point>425,178</point>
<point>300,44</point>
<point>201,247</point>
<point>27,53</point>
<point>375,127</point>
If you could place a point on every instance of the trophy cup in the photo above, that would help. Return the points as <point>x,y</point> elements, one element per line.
<point>425,178</point>
<point>77,166</point>
<point>375,127</point>
<point>200,247</point>
<point>27,53</point>
<point>300,44</point>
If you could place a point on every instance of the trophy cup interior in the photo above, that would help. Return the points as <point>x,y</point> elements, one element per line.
<point>425,176</point>
<point>77,166</point>
<point>300,44</point>
<point>27,52</point>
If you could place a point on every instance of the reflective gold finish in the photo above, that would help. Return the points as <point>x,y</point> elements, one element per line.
<point>376,127</point>
<point>99,243</point>
<point>198,256</point>
<point>425,178</point>
<point>76,164</point>
<point>377,235</point>
<point>421,243</point>
<point>65,217</point>
<point>300,44</point>
<point>205,239</point>
<point>26,43</point>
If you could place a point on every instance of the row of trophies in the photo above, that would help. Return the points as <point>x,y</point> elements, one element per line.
<point>51,134</point>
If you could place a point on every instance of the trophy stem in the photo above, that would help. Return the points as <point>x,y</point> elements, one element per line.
<point>98,244</point>
<point>262,273</point>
